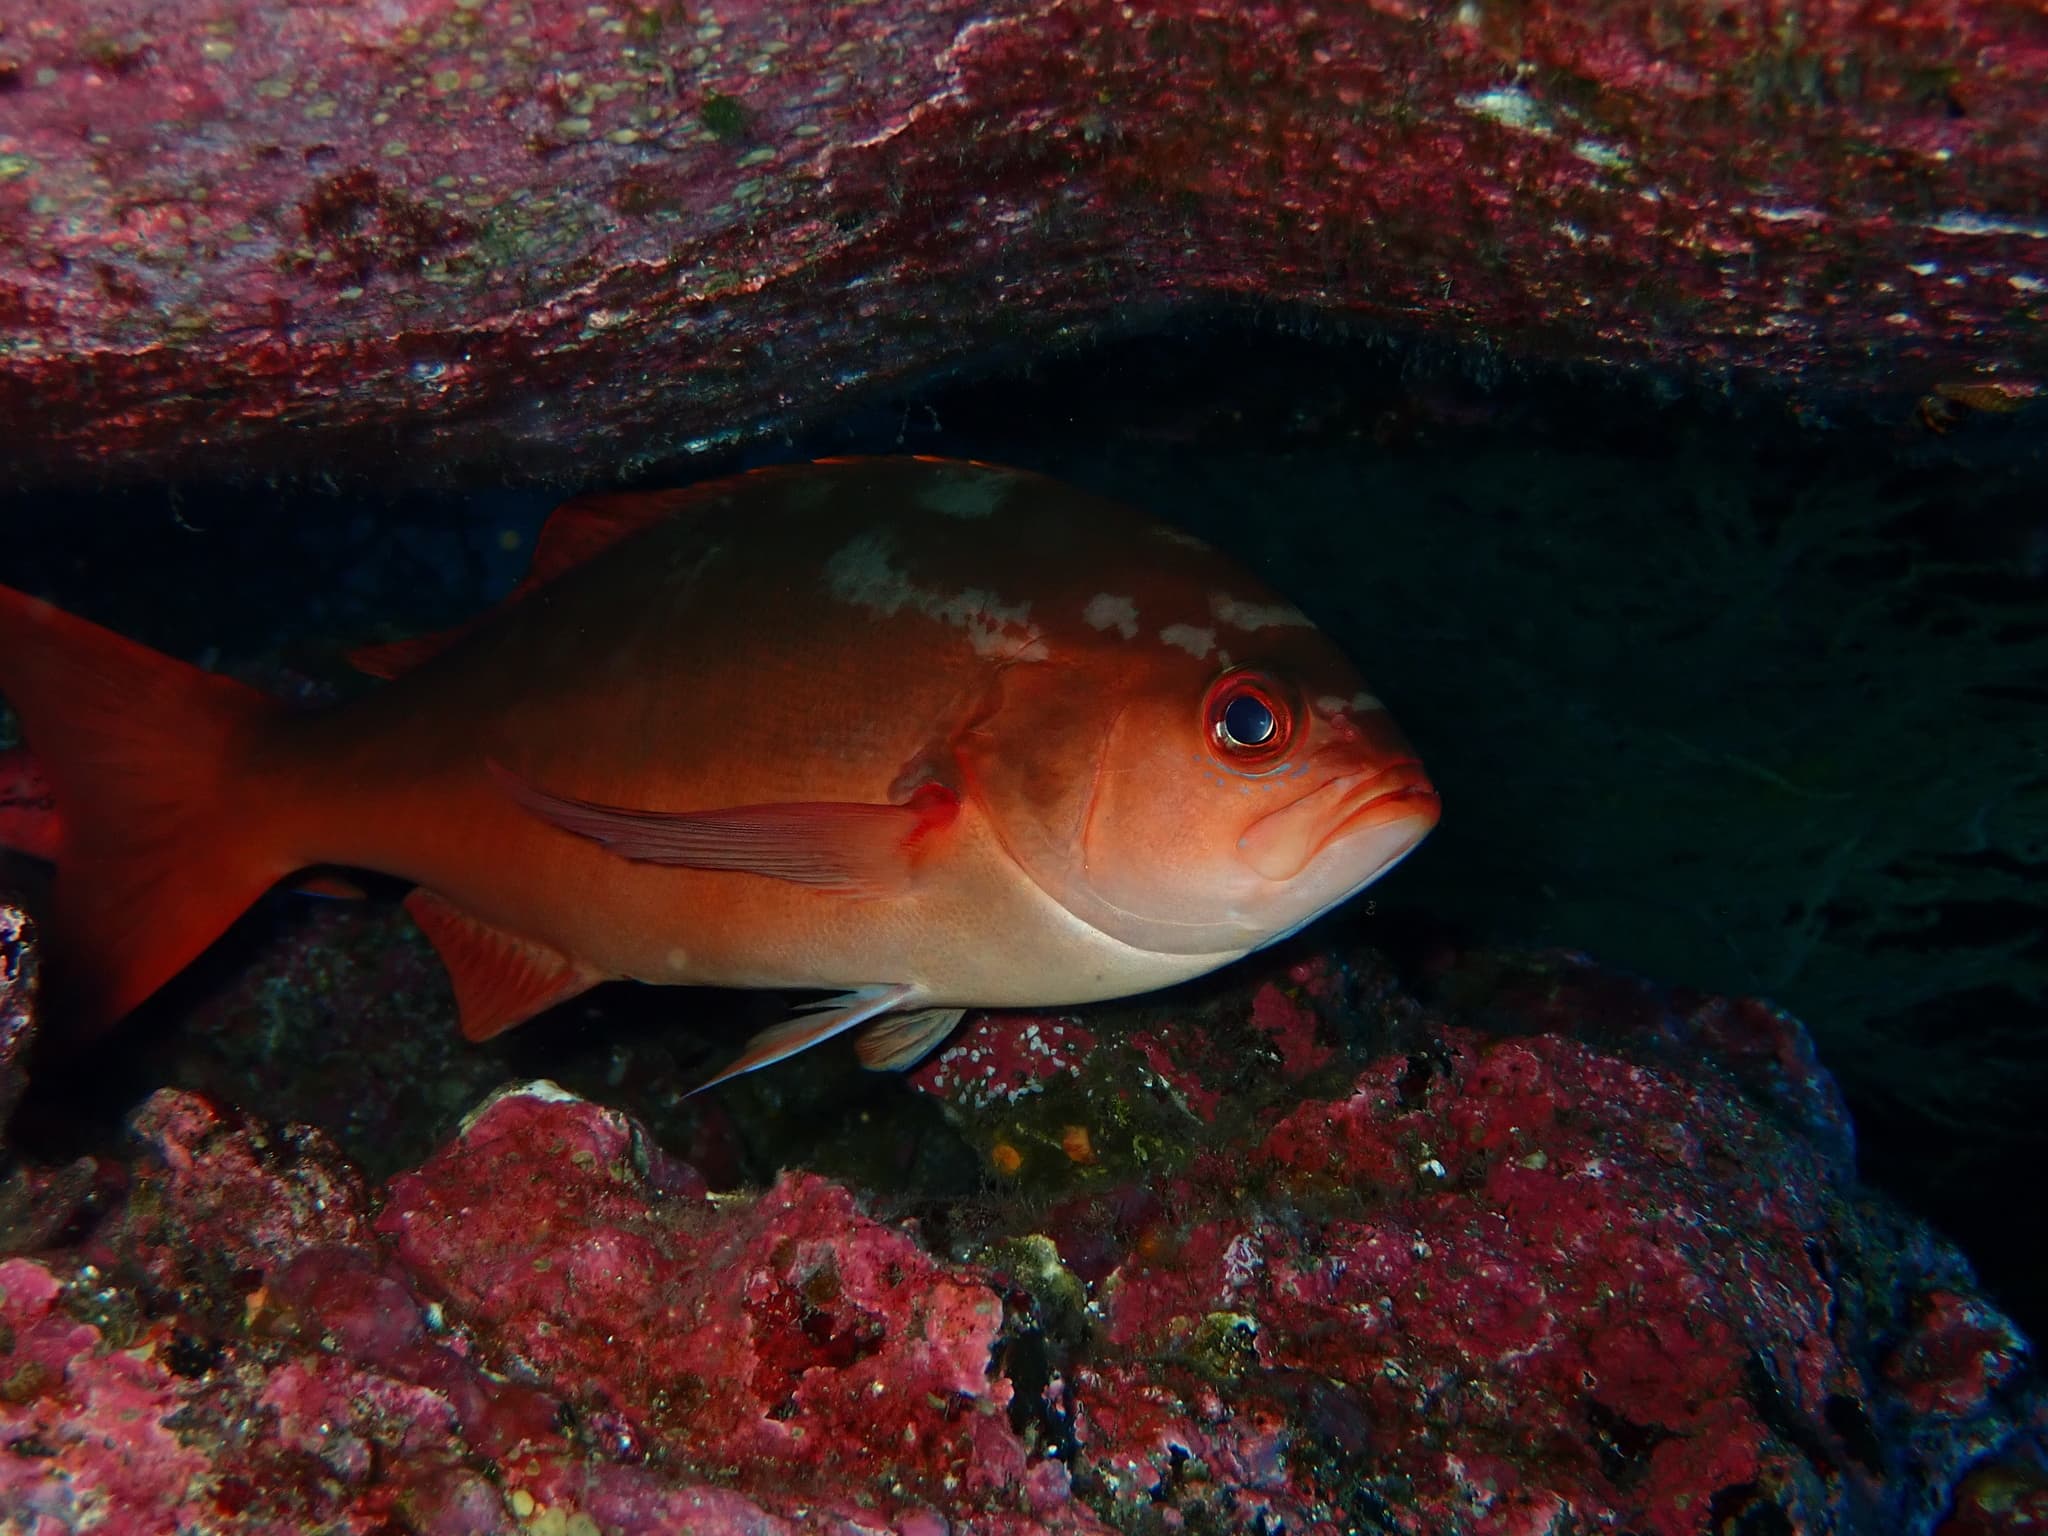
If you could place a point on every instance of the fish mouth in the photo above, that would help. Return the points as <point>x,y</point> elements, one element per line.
<point>1396,816</point>
<point>1392,803</point>
<point>1396,792</point>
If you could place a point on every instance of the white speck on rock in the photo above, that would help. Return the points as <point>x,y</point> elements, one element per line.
<point>1511,107</point>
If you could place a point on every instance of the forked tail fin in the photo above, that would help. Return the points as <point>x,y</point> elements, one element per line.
<point>163,838</point>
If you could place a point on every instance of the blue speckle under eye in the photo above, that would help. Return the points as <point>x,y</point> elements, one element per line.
<point>1249,722</point>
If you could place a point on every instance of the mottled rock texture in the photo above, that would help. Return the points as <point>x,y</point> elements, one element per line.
<point>423,238</point>
<point>1571,1253</point>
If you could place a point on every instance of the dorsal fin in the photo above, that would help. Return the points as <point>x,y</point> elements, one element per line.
<point>586,527</point>
<point>576,531</point>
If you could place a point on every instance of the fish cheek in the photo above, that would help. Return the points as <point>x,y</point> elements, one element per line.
<point>1096,794</point>
<point>1280,844</point>
<point>1161,827</point>
<point>1032,761</point>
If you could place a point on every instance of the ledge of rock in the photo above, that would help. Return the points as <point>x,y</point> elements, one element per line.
<point>427,237</point>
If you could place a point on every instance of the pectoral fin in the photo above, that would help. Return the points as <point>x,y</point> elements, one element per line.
<point>844,846</point>
<point>900,1041</point>
<point>821,1021</point>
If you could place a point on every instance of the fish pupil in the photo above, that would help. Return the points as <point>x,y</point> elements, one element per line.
<point>1248,722</point>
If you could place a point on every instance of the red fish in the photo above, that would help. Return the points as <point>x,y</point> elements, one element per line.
<point>28,816</point>
<point>28,822</point>
<point>932,734</point>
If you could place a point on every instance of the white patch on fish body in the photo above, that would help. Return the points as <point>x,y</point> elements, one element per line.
<point>863,573</point>
<point>1005,643</point>
<point>966,490</point>
<point>1239,614</point>
<point>1196,642</point>
<point>1105,611</point>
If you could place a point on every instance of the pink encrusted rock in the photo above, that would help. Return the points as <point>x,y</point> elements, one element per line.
<point>223,1200</point>
<point>148,1439</point>
<point>1000,1058</point>
<point>36,1203</point>
<point>1960,1351</point>
<point>2002,1499</point>
<point>1293,1028</point>
<point>789,1338</point>
<point>449,236</point>
<point>1168,1062</point>
<point>17,1004</point>
<point>1145,1436</point>
<point>1505,1284</point>
<point>301,1398</point>
<point>1499,1282</point>
<point>84,1441</point>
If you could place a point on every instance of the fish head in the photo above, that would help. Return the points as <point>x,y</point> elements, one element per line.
<point>1192,805</point>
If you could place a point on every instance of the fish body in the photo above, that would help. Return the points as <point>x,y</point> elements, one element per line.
<point>28,813</point>
<point>936,734</point>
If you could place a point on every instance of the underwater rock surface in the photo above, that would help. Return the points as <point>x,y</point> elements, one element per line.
<point>537,236</point>
<point>1558,1251</point>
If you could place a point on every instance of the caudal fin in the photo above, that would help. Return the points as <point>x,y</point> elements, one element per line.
<point>162,841</point>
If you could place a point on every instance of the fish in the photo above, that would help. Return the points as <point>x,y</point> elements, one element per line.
<point>28,814</point>
<point>924,734</point>
<point>29,824</point>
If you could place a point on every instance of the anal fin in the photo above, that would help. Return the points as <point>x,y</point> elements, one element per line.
<point>899,1041</point>
<point>821,1021</point>
<point>500,978</point>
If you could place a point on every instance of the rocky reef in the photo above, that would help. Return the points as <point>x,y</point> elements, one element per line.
<point>1510,1244</point>
<point>441,238</point>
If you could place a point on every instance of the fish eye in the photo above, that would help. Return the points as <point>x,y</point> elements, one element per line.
<point>1249,720</point>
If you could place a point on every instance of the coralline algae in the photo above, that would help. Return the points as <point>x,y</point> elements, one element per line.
<point>449,235</point>
<point>1565,1253</point>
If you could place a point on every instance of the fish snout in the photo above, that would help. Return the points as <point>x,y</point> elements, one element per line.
<point>1362,727</point>
<point>1380,778</point>
<point>1378,808</point>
